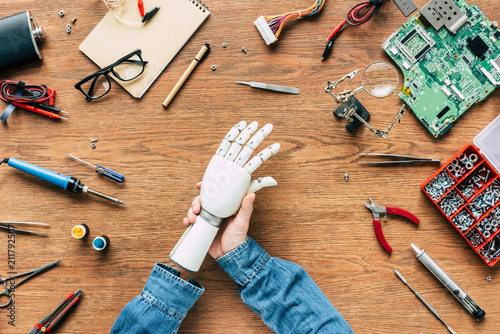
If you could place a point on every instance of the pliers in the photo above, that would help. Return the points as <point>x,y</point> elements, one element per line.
<point>377,210</point>
<point>45,325</point>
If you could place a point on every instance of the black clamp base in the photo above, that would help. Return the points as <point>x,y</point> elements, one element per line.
<point>360,110</point>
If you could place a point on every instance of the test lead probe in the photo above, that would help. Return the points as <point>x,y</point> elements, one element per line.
<point>106,172</point>
<point>358,15</point>
<point>68,183</point>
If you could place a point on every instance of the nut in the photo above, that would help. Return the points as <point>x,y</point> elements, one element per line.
<point>224,45</point>
<point>92,145</point>
<point>214,67</point>
<point>68,26</point>
<point>68,30</point>
<point>61,13</point>
<point>488,278</point>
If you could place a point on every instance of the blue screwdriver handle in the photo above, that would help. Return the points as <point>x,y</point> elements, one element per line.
<point>110,174</point>
<point>55,178</point>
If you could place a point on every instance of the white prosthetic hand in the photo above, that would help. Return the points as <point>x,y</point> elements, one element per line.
<point>225,183</point>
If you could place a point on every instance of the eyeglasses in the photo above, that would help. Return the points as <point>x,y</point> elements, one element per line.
<point>98,84</point>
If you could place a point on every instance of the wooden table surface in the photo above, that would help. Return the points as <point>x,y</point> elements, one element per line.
<point>313,217</point>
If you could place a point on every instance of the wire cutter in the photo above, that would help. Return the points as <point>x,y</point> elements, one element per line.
<point>377,210</point>
<point>46,324</point>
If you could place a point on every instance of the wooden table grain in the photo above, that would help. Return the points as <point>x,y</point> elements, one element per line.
<point>313,217</point>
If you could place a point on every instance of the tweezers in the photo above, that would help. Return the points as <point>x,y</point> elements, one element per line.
<point>276,88</point>
<point>18,230</point>
<point>398,159</point>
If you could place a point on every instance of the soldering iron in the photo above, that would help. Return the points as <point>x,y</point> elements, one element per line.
<point>68,183</point>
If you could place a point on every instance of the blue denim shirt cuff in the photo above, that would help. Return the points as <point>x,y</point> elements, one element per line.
<point>170,293</point>
<point>244,262</point>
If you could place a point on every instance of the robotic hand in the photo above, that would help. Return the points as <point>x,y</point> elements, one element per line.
<point>225,183</point>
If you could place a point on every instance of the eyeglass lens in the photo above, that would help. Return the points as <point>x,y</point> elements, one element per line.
<point>129,68</point>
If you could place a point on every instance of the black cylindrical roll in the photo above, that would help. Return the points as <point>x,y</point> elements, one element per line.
<point>17,40</point>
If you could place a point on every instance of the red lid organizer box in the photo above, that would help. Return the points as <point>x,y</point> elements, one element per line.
<point>467,192</point>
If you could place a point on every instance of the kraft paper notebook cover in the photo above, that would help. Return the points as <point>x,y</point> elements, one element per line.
<point>160,38</point>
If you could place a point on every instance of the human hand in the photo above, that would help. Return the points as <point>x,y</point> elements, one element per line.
<point>233,230</point>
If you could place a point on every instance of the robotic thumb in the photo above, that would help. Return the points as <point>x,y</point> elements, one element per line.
<point>260,183</point>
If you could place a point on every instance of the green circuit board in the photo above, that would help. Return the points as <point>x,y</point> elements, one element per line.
<point>449,54</point>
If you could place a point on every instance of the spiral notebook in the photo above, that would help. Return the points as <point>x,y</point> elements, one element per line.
<point>160,38</point>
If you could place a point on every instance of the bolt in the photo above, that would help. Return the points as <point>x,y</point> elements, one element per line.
<point>224,45</point>
<point>244,50</point>
<point>73,20</point>
<point>346,176</point>
<point>214,67</point>
<point>61,13</point>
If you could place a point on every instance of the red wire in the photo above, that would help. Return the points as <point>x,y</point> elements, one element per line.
<point>353,17</point>
<point>43,92</point>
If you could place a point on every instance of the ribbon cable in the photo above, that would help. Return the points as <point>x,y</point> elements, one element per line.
<point>10,108</point>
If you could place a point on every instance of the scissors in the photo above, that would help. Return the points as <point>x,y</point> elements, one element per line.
<point>31,272</point>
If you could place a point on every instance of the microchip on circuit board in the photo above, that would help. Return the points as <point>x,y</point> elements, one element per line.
<point>450,58</point>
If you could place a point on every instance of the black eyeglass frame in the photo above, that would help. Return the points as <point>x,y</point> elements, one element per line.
<point>104,71</point>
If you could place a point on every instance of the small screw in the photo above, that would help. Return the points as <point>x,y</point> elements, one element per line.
<point>61,13</point>
<point>68,30</point>
<point>488,278</point>
<point>214,67</point>
<point>93,140</point>
<point>224,45</point>
<point>244,50</point>
<point>346,176</point>
<point>92,145</point>
<point>73,20</point>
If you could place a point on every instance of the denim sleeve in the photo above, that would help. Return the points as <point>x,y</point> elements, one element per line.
<point>162,305</point>
<point>281,292</point>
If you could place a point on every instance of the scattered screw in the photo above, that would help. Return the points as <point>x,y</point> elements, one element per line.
<point>244,50</point>
<point>68,30</point>
<point>214,67</point>
<point>93,140</point>
<point>92,145</point>
<point>488,278</point>
<point>73,20</point>
<point>346,176</point>
<point>224,45</point>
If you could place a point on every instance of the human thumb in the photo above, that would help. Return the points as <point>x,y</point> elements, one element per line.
<point>245,212</point>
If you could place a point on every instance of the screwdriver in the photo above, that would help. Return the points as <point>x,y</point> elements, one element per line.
<point>68,183</point>
<point>106,172</point>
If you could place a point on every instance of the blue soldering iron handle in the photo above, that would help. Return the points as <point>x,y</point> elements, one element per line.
<point>110,174</point>
<point>55,178</point>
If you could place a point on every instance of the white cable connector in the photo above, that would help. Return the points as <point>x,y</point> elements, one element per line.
<point>265,31</point>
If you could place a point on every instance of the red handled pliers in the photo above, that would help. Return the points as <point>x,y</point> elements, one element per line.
<point>377,210</point>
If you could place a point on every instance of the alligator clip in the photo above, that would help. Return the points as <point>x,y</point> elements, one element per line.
<point>377,210</point>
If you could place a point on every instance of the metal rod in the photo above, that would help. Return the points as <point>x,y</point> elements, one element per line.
<point>423,301</point>
<point>25,231</point>
<point>101,195</point>
<point>85,162</point>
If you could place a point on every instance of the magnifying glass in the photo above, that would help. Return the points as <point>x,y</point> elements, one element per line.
<point>379,79</point>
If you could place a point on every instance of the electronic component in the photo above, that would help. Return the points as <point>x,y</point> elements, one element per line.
<point>270,26</point>
<point>441,13</point>
<point>447,68</point>
<point>406,6</point>
<point>415,44</point>
<point>477,46</point>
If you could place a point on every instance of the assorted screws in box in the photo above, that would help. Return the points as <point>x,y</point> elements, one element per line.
<point>439,185</point>
<point>467,192</point>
